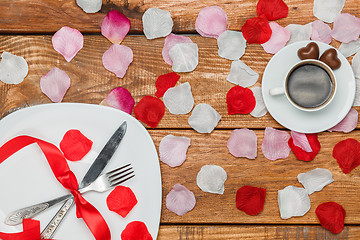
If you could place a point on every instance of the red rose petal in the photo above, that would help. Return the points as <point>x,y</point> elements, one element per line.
<point>240,100</point>
<point>331,216</point>
<point>150,110</point>
<point>250,199</point>
<point>347,154</point>
<point>121,200</point>
<point>303,155</point>
<point>75,145</point>
<point>272,9</point>
<point>136,231</point>
<point>164,82</point>
<point>257,30</point>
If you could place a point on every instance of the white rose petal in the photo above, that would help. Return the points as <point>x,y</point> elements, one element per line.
<point>185,57</point>
<point>211,178</point>
<point>299,32</point>
<point>241,74</point>
<point>231,45</point>
<point>260,108</point>
<point>13,69</point>
<point>157,23</point>
<point>90,6</point>
<point>357,93</point>
<point>315,180</point>
<point>356,65</point>
<point>293,202</point>
<point>204,118</point>
<point>348,49</point>
<point>179,99</point>
<point>328,10</point>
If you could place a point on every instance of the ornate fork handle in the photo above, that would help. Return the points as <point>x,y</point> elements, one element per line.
<point>17,216</point>
<point>50,229</point>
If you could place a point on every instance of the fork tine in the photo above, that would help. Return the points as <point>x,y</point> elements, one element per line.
<point>117,169</point>
<point>117,173</point>
<point>121,181</point>
<point>120,177</point>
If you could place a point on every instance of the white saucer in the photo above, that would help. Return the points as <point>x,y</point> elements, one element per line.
<point>294,119</point>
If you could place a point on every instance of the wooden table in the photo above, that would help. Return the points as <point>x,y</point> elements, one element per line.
<point>26,28</point>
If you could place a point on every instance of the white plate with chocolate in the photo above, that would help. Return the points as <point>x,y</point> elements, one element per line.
<point>308,87</point>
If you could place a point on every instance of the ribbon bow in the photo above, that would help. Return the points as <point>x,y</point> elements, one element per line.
<point>58,164</point>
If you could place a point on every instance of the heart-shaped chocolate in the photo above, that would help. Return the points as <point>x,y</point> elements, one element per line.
<point>331,59</point>
<point>311,51</point>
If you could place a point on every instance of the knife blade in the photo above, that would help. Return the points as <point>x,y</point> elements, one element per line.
<point>94,171</point>
<point>104,156</point>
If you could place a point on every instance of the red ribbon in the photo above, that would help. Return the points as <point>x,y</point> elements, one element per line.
<point>31,231</point>
<point>66,177</point>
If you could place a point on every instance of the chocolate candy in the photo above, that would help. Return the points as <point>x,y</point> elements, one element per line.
<point>330,58</point>
<point>311,51</point>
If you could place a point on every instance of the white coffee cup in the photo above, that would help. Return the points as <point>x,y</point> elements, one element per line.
<point>310,85</point>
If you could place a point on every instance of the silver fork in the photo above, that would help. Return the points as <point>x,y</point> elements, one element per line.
<point>101,184</point>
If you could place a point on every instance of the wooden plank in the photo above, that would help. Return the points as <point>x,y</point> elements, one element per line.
<point>91,82</point>
<point>39,15</point>
<point>255,232</point>
<point>261,172</point>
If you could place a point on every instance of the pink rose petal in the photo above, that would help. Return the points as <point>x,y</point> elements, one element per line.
<point>170,41</point>
<point>279,37</point>
<point>346,28</point>
<point>117,59</point>
<point>275,144</point>
<point>300,140</point>
<point>115,26</point>
<point>54,84</point>
<point>321,32</point>
<point>120,98</point>
<point>243,143</point>
<point>68,42</point>
<point>211,22</point>
<point>172,150</point>
<point>348,124</point>
<point>180,200</point>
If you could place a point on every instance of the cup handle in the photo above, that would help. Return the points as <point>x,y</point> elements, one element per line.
<point>276,91</point>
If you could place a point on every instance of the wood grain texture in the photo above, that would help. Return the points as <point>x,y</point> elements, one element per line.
<point>261,172</point>
<point>91,82</point>
<point>255,232</point>
<point>42,16</point>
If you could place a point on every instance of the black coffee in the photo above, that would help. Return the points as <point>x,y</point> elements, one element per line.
<point>309,86</point>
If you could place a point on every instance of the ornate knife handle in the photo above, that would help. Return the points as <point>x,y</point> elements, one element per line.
<point>17,216</point>
<point>50,229</point>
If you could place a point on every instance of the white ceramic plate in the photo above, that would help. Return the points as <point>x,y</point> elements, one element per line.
<point>26,178</point>
<point>289,116</point>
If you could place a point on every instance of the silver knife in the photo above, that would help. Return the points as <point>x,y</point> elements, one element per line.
<point>94,171</point>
